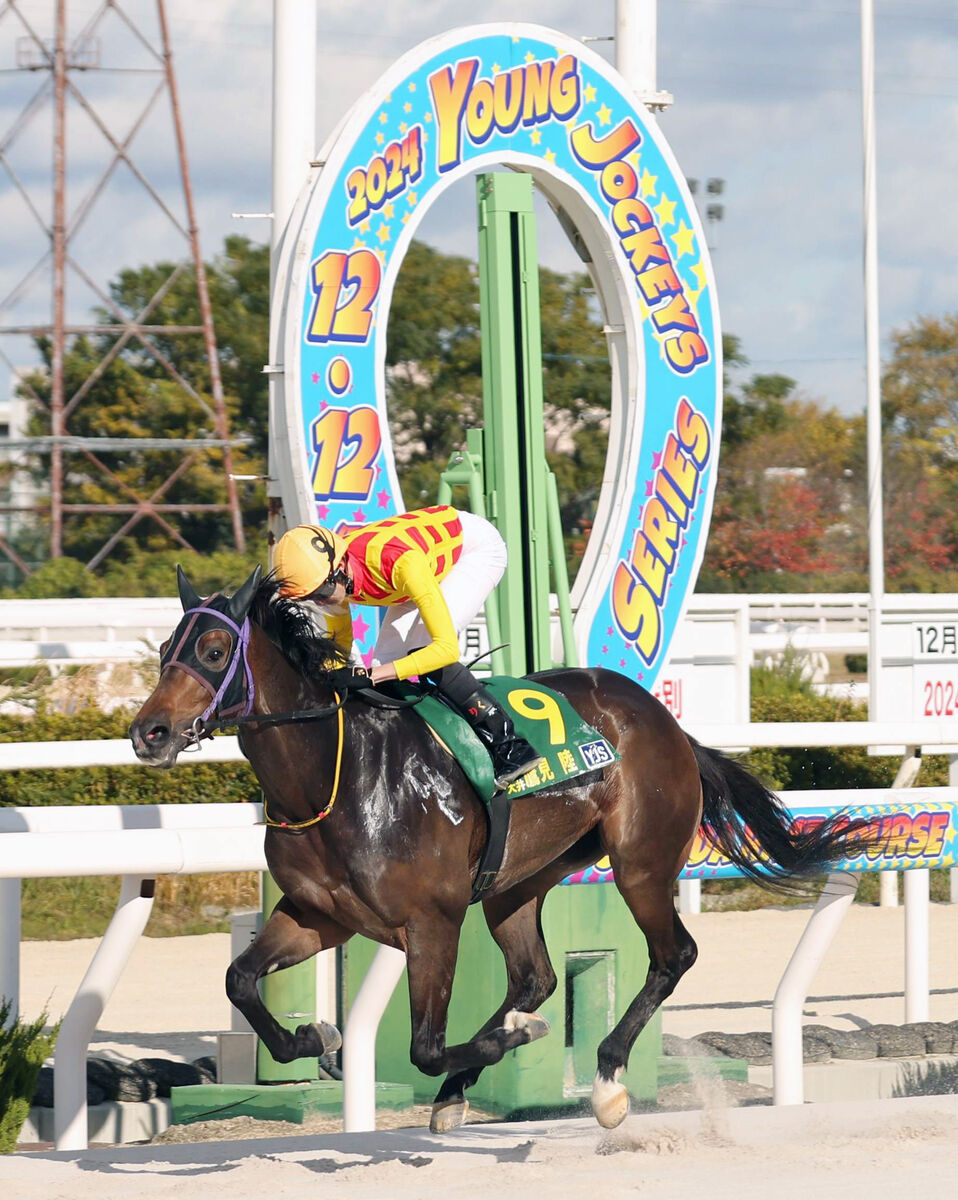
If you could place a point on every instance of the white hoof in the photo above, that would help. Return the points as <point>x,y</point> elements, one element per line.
<point>534,1024</point>
<point>449,1115</point>
<point>610,1101</point>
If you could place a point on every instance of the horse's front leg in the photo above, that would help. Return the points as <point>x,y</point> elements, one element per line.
<point>430,966</point>
<point>287,938</point>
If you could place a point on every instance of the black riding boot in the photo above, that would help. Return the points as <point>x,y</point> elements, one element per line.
<point>511,754</point>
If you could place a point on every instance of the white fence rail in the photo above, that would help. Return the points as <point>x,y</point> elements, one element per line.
<point>141,842</point>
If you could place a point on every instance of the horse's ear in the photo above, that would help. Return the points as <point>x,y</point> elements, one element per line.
<point>242,598</point>
<point>189,597</point>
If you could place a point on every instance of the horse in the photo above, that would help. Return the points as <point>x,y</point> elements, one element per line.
<point>373,828</point>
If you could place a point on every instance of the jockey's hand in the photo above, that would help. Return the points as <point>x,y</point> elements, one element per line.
<point>349,679</point>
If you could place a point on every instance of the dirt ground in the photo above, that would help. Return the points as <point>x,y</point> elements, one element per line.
<point>726,1142</point>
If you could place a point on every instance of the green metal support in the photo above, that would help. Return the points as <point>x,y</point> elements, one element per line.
<point>513,451</point>
<point>290,996</point>
<point>465,470</point>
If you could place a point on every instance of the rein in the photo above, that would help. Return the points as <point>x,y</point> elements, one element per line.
<point>241,713</point>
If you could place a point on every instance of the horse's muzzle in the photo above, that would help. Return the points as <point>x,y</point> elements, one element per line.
<point>155,742</point>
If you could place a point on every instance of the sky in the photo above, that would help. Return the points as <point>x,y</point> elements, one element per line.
<point>767,99</point>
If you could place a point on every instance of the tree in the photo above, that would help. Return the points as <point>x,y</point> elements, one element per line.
<point>789,500</point>
<point>134,396</point>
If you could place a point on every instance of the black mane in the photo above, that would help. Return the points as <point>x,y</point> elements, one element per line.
<point>289,627</point>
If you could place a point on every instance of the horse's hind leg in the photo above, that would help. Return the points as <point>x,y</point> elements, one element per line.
<point>432,943</point>
<point>530,981</point>
<point>287,938</point>
<point>671,952</point>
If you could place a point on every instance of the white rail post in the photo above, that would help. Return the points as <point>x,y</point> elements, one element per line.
<point>69,1076</point>
<point>917,944</point>
<point>905,778</point>
<point>10,945</point>
<point>788,1081</point>
<point>359,1038</point>
<point>690,896</point>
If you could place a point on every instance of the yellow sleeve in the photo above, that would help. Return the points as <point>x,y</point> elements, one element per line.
<point>339,626</point>
<point>413,577</point>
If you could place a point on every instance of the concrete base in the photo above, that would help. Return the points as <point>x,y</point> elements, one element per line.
<point>873,1079</point>
<point>274,1102</point>
<point>113,1122</point>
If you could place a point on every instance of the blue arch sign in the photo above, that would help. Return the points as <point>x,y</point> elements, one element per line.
<point>534,100</point>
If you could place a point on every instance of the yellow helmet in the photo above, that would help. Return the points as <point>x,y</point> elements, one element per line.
<point>305,557</point>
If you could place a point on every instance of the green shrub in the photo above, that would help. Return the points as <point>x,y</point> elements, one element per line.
<point>823,766</point>
<point>207,783</point>
<point>23,1047</point>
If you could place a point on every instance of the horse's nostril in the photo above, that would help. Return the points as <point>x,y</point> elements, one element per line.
<point>156,735</point>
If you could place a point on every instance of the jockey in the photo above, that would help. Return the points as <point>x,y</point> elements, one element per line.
<point>433,569</point>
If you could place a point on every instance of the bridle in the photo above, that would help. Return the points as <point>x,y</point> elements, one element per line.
<point>231,691</point>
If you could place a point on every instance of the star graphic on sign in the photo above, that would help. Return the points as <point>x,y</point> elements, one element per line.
<point>383,233</point>
<point>361,627</point>
<point>649,182</point>
<point>407,107</point>
<point>389,209</point>
<point>428,116</point>
<point>323,405</point>
<point>382,498</point>
<point>405,217</point>
<point>383,118</point>
<point>412,86</point>
<point>648,487</point>
<point>605,649</point>
<point>610,631</point>
<point>699,272</point>
<point>656,459</point>
<point>683,240</point>
<point>322,511</point>
<point>359,516</point>
<point>665,211</point>
<point>380,138</point>
<point>315,377</point>
<point>550,156</point>
<point>403,126</point>
<point>536,136</point>
<point>589,92</point>
<point>530,57</point>
<point>364,226</point>
<point>621,662</point>
<point>605,115</point>
<point>358,244</point>
<point>496,68</point>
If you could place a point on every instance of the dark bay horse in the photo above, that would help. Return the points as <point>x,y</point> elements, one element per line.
<point>374,829</point>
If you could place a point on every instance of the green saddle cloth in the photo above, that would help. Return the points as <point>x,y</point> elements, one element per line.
<point>569,747</point>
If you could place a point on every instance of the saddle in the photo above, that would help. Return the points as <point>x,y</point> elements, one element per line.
<point>573,753</point>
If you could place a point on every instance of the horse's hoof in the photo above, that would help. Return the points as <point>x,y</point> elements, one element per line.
<point>610,1101</point>
<point>449,1114</point>
<point>317,1039</point>
<point>534,1025</point>
<point>329,1035</point>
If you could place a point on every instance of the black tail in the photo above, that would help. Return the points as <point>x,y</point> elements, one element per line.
<point>749,824</point>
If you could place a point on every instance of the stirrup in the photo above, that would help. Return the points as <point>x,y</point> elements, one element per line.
<point>509,773</point>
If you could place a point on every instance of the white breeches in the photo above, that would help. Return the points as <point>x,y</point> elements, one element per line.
<point>480,567</point>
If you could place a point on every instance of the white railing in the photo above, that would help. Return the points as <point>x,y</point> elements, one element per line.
<point>141,842</point>
<point>125,629</point>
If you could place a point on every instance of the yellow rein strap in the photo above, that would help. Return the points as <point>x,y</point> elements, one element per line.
<point>268,820</point>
